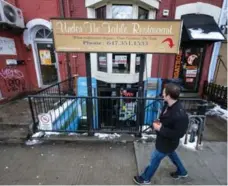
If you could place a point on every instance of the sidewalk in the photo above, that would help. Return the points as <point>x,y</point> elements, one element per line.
<point>70,163</point>
<point>105,163</point>
<point>205,167</point>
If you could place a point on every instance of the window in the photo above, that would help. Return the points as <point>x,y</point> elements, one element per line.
<point>101,57</point>
<point>43,33</point>
<point>121,63</point>
<point>102,62</point>
<point>122,12</point>
<point>143,13</point>
<point>101,12</point>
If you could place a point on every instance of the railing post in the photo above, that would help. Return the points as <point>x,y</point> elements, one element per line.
<point>59,91</point>
<point>34,127</point>
<point>141,100</point>
<point>89,102</point>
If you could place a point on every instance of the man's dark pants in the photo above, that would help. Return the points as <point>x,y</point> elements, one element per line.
<point>156,158</point>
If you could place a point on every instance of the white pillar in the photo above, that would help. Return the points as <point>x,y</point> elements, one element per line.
<point>217,45</point>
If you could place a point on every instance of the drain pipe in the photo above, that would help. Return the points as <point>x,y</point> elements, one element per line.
<point>62,13</point>
<point>217,45</point>
<point>61,5</point>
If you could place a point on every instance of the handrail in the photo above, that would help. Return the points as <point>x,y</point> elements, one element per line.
<point>53,85</point>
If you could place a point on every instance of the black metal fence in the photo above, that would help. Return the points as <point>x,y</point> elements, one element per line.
<point>215,93</point>
<point>66,87</point>
<point>57,109</point>
<point>111,114</point>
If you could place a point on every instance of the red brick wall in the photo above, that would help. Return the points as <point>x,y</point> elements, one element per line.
<point>13,79</point>
<point>44,9</point>
<point>76,9</point>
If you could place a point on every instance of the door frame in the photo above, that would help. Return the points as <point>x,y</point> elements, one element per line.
<point>37,61</point>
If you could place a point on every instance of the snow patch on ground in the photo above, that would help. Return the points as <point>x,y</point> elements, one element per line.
<point>146,128</point>
<point>33,142</point>
<point>190,146</point>
<point>38,134</point>
<point>42,134</point>
<point>148,136</point>
<point>74,134</point>
<point>52,133</point>
<point>218,111</point>
<point>107,136</point>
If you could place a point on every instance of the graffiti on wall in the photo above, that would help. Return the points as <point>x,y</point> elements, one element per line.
<point>13,79</point>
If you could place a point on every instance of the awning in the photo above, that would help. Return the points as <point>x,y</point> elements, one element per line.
<point>201,27</point>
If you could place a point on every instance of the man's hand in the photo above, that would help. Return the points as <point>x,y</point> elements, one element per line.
<point>157,126</point>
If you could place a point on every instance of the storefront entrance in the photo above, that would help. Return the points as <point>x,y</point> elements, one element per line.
<point>188,66</point>
<point>47,63</point>
<point>197,37</point>
<point>117,113</point>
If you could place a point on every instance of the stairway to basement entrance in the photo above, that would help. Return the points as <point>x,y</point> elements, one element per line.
<point>15,121</point>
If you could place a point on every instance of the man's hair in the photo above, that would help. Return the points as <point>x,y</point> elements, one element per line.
<point>172,90</point>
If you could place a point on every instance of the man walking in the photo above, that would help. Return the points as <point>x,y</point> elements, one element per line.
<point>172,125</point>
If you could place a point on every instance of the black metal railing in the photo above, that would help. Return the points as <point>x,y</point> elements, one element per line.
<point>66,87</point>
<point>110,113</point>
<point>57,109</point>
<point>215,93</point>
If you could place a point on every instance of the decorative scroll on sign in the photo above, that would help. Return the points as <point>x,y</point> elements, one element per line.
<point>87,35</point>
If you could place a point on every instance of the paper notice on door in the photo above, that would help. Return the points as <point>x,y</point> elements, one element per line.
<point>138,59</point>
<point>45,57</point>
<point>102,61</point>
<point>189,80</point>
<point>191,73</point>
<point>120,59</point>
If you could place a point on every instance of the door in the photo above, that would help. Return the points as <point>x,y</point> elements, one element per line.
<point>47,63</point>
<point>191,68</point>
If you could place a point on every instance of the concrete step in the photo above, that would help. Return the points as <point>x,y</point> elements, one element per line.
<point>12,133</point>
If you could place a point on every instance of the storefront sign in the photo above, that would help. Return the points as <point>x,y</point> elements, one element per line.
<point>177,66</point>
<point>116,36</point>
<point>7,46</point>
<point>11,62</point>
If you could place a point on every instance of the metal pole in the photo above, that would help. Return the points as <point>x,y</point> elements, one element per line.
<point>70,88</point>
<point>34,127</point>
<point>159,70</point>
<point>89,101</point>
<point>69,74</point>
<point>141,102</point>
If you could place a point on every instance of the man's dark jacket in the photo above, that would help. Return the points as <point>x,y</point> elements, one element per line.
<point>174,126</point>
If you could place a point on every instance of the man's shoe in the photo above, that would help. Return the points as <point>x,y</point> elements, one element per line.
<point>140,181</point>
<point>176,176</point>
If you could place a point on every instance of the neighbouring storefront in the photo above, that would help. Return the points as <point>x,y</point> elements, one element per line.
<point>197,36</point>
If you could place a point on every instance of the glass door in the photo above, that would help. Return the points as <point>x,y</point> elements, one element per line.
<point>47,63</point>
<point>188,67</point>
